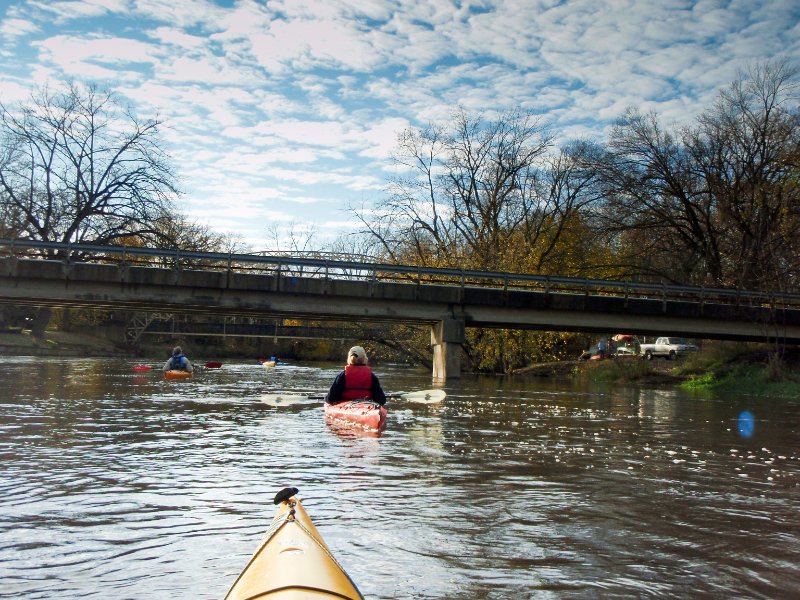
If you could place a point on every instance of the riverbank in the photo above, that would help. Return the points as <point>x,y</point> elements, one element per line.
<point>58,344</point>
<point>620,371</point>
<point>746,369</point>
<point>750,369</point>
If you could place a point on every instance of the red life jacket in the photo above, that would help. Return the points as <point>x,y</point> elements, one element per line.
<point>357,382</point>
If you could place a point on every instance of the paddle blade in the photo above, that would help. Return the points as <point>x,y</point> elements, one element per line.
<point>213,365</point>
<point>142,368</point>
<point>289,399</point>
<point>424,396</point>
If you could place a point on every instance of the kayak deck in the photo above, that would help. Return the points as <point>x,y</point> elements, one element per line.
<point>293,562</point>
<point>365,413</point>
<point>175,374</point>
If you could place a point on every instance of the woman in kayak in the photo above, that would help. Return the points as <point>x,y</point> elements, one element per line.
<point>357,381</point>
<point>177,362</point>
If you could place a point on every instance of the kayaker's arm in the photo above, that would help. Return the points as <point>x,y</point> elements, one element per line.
<point>377,391</point>
<point>337,387</point>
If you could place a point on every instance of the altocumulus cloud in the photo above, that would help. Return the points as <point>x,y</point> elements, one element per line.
<point>287,111</point>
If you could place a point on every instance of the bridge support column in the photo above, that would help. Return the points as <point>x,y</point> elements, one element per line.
<point>446,339</point>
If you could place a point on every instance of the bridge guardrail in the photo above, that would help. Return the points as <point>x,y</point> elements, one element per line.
<point>294,266</point>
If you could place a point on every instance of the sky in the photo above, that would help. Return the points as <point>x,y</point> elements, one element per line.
<point>282,114</point>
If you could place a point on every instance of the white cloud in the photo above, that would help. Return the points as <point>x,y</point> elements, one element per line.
<point>180,13</point>
<point>12,91</point>
<point>12,28</point>
<point>99,54</point>
<point>68,10</point>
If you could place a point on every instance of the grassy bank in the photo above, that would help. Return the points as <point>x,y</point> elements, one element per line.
<point>750,369</point>
<point>628,371</point>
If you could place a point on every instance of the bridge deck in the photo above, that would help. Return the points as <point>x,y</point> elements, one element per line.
<point>370,295</point>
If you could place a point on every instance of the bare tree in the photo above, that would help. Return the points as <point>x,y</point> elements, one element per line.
<point>479,193</point>
<point>657,206</point>
<point>747,149</point>
<point>716,203</point>
<point>292,237</point>
<point>490,194</point>
<point>77,166</point>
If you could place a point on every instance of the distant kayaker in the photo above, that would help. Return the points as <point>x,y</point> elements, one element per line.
<point>357,381</point>
<point>177,362</point>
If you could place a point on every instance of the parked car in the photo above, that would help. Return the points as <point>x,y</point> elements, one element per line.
<point>668,347</point>
<point>621,345</point>
<point>626,345</point>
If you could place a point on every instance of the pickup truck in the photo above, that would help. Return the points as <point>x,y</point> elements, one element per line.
<point>668,347</point>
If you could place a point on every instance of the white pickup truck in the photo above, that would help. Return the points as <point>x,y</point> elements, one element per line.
<point>668,347</point>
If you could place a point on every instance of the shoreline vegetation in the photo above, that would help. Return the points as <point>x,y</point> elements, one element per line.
<point>744,368</point>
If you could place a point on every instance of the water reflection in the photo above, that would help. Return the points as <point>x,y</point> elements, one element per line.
<point>120,483</point>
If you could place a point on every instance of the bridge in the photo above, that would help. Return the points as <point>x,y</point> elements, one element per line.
<point>448,300</point>
<point>161,324</point>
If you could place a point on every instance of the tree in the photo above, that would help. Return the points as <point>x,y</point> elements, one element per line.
<point>489,194</point>
<point>747,148</point>
<point>480,194</point>
<point>78,166</point>
<point>715,203</point>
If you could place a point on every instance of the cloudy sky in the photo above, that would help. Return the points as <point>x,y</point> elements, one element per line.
<point>284,112</point>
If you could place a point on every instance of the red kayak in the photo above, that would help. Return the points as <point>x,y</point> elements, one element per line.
<point>364,413</point>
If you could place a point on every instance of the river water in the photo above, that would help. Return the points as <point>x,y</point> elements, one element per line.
<point>117,484</point>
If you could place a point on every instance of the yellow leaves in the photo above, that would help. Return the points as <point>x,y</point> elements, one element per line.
<point>496,350</point>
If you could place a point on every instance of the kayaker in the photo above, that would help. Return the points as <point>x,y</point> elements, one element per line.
<point>177,362</point>
<point>357,381</point>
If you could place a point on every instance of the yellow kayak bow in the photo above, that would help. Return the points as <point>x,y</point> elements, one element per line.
<point>292,562</point>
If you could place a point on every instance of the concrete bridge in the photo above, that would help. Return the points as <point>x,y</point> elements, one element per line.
<point>449,300</point>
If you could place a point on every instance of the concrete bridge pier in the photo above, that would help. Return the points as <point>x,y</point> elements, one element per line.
<point>446,338</point>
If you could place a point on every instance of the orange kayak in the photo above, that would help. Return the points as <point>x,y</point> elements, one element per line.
<point>293,562</point>
<point>177,374</point>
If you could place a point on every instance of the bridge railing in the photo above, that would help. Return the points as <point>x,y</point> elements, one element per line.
<point>339,269</point>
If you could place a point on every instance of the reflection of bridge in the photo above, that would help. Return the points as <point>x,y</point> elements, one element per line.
<point>173,281</point>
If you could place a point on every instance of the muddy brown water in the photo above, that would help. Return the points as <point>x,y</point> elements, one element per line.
<point>118,484</point>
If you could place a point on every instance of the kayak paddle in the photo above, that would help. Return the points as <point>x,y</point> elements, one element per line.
<point>420,397</point>
<point>213,365</point>
<point>142,368</point>
<point>288,399</point>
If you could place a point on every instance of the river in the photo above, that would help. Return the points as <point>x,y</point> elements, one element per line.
<point>118,484</point>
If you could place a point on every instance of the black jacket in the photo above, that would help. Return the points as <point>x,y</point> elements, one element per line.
<point>335,393</point>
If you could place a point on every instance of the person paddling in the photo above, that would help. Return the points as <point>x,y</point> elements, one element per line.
<point>357,381</point>
<point>177,362</point>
